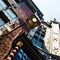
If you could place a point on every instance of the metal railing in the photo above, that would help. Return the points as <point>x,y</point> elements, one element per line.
<point>47,55</point>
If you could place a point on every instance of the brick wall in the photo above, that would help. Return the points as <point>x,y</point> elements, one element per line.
<point>6,42</point>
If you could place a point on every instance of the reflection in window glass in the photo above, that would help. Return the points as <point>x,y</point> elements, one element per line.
<point>41,37</point>
<point>34,40</point>
<point>21,55</point>
<point>1,22</point>
<point>36,34</point>
<point>10,14</point>
<point>40,44</point>
<point>2,4</point>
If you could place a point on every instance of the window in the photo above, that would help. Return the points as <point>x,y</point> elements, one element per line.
<point>1,22</point>
<point>6,2</point>
<point>36,34</point>
<point>9,13</point>
<point>29,36</point>
<point>2,4</point>
<point>41,37</point>
<point>40,44</point>
<point>17,1</point>
<point>21,55</point>
<point>4,17</point>
<point>34,40</point>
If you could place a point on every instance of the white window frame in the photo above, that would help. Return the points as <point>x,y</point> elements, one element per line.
<point>10,14</point>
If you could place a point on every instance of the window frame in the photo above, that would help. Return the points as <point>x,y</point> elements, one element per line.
<point>2,22</point>
<point>10,14</point>
<point>2,4</point>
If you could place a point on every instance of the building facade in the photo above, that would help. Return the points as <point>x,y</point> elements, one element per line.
<point>37,35</point>
<point>51,40</point>
<point>19,12</point>
<point>16,16</point>
<point>23,49</point>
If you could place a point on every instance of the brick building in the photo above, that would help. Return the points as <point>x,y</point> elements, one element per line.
<point>15,16</point>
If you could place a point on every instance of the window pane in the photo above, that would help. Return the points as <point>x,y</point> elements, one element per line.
<point>1,22</point>
<point>34,40</point>
<point>10,14</point>
<point>36,34</point>
<point>0,7</point>
<point>40,44</point>
<point>17,1</point>
<point>2,4</point>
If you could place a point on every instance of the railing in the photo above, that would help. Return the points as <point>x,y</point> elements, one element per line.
<point>48,56</point>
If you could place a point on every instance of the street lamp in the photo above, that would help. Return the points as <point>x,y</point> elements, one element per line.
<point>34,19</point>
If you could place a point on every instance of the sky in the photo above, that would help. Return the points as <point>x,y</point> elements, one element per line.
<point>50,9</point>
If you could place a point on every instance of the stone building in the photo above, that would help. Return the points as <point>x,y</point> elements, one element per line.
<point>52,40</point>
